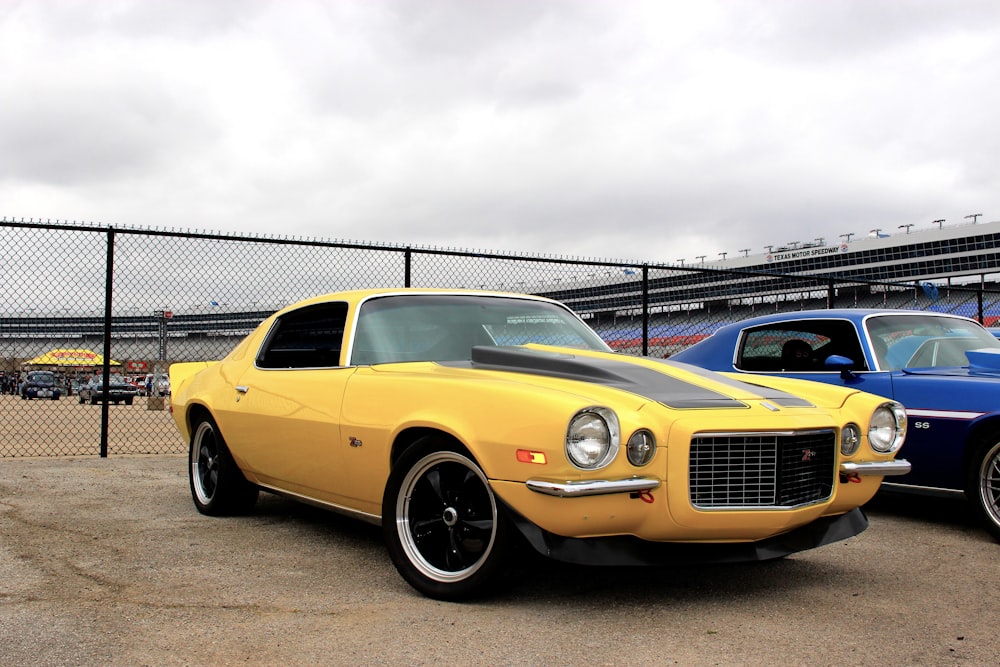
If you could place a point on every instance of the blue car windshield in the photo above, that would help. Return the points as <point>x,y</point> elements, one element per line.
<point>925,341</point>
<point>445,327</point>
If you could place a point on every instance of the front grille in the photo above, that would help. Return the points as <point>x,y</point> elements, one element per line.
<point>777,470</point>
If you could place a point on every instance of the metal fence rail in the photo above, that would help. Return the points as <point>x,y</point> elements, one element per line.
<point>85,301</point>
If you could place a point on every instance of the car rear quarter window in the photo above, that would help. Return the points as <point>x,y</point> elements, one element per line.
<point>310,337</point>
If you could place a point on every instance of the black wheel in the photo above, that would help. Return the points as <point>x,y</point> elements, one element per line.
<point>81,400</point>
<point>444,530</point>
<point>217,484</point>
<point>983,487</point>
<point>128,401</point>
<point>93,400</point>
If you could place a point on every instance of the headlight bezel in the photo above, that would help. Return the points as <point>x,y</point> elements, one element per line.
<point>583,450</point>
<point>888,415</point>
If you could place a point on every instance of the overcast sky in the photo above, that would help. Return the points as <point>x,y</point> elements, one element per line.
<point>651,130</point>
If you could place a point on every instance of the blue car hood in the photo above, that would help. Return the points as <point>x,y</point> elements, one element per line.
<point>982,363</point>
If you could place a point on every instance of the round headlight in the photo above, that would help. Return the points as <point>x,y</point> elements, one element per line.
<point>640,447</point>
<point>850,439</point>
<point>887,428</point>
<point>592,438</point>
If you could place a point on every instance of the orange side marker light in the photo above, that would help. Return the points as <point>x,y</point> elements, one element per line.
<point>526,456</point>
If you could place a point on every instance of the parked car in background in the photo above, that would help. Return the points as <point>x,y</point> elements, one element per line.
<point>465,422</point>
<point>155,384</point>
<point>40,384</point>
<point>119,390</point>
<point>944,368</point>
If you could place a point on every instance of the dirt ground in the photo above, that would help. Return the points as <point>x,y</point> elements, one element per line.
<point>106,562</point>
<point>67,428</point>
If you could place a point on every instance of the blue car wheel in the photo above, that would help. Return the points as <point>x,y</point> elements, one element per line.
<point>984,484</point>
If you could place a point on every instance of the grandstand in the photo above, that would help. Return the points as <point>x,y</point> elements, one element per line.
<point>928,269</point>
<point>668,306</point>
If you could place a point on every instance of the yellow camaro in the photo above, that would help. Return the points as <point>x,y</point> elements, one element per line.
<point>465,422</point>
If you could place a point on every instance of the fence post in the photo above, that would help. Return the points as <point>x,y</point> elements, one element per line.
<point>109,272</point>
<point>979,299</point>
<point>407,263</point>
<point>645,309</point>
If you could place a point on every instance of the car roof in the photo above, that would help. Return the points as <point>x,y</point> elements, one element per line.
<point>357,296</point>
<point>856,315</point>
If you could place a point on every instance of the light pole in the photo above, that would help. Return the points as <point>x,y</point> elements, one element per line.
<point>939,223</point>
<point>906,227</point>
<point>723,255</point>
<point>745,251</point>
<point>974,216</point>
<point>847,237</point>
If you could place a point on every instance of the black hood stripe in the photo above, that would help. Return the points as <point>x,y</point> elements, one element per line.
<point>647,382</point>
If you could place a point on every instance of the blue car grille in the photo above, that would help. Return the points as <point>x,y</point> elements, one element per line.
<point>772,470</point>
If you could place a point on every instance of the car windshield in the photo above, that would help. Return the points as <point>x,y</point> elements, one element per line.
<point>431,327</point>
<point>42,377</point>
<point>925,341</point>
<point>112,380</point>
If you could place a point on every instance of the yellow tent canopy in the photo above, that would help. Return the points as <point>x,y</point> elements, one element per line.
<point>69,358</point>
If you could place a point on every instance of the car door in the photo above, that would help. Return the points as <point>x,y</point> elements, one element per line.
<point>284,425</point>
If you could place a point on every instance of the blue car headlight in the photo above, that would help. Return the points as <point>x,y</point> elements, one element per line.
<point>592,438</point>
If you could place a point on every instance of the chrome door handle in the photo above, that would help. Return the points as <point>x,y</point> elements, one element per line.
<point>242,388</point>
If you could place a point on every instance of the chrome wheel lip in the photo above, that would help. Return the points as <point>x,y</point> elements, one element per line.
<point>406,538</point>
<point>204,458</point>
<point>989,484</point>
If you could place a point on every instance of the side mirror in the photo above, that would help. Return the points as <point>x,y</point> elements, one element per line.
<point>835,362</point>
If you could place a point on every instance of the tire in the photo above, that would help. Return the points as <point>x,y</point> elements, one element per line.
<point>445,532</point>
<point>128,401</point>
<point>218,487</point>
<point>93,400</point>
<point>983,486</point>
<point>81,400</point>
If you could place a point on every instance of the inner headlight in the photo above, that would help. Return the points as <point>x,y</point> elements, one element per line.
<point>640,447</point>
<point>887,428</point>
<point>592,438</point>
<point>850,439</point>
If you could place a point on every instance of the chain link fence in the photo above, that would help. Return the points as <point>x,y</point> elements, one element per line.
<point>83,305</point>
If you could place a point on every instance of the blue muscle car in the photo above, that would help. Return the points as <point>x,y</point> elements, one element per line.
<point>943,368</point>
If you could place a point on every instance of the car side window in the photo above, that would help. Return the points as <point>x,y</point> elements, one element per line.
<point>799,346</point>
<point>310,337</point>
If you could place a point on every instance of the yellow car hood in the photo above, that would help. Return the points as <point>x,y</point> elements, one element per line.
<point>672,384</point>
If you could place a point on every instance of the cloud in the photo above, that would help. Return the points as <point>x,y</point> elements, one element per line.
<point>649,130</point>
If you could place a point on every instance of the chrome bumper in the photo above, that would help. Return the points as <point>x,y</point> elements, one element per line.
<point>884,468</point>
<point>594,487</point>
<point>600,487</point>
